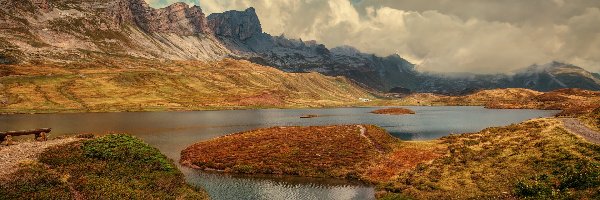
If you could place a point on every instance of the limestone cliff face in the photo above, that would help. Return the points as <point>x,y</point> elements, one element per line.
<point>178,18</point>
<point>83,30</point>
<point>43,5</point>
<point>240,25</point>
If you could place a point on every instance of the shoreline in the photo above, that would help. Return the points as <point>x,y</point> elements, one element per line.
<point>569,101</point>
<point>261,108</point>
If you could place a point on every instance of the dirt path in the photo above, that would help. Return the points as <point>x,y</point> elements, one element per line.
<point>12,156</point>
<point>575,126</point>
<point>363,131</point>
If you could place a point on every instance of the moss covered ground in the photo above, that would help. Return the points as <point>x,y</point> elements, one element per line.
<point>109,167</point>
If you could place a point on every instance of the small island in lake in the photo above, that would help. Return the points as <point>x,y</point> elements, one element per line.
<point>393,111</point>
<point>342,151</point>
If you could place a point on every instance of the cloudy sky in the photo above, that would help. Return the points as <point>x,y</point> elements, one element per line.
<point>439,35</point>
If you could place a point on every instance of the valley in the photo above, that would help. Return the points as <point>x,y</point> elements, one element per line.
<point>180,101</point>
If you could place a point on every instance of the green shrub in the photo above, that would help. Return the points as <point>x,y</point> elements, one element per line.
<point>126,148</point>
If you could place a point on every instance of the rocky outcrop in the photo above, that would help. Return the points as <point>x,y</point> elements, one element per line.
<point>42,5</point>
<point>239,25</point>
<point>178,18</point>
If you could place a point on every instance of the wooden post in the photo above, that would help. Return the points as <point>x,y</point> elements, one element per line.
<point>41,136</point>
<point>8,139</point>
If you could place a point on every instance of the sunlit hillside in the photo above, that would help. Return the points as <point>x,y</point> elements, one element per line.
<point>227,84</point>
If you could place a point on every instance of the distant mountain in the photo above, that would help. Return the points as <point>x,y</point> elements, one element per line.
<point>241,32</point>
<point>92,31</point>
<point>557,75</point>
<point>547,77</point>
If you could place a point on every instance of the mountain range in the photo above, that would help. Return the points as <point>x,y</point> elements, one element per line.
<point>92,32</point>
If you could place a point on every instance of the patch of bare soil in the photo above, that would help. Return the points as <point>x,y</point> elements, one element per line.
<point>12,156</point>
<point>575,126</point>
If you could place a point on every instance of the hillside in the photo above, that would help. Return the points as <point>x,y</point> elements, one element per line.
<point>573,102</point>
<point>227,84</point>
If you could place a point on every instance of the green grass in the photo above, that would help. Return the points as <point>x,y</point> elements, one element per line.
<point>110,167</point>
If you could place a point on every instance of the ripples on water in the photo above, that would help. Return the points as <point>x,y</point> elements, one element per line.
<point>220,187</point>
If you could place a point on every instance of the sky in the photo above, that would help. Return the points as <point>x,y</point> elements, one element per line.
<point>479,36</point>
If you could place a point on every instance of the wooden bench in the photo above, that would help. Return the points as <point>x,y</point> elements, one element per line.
<point>40,134</point>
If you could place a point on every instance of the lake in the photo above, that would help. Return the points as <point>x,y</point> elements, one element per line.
<point>171,132</point>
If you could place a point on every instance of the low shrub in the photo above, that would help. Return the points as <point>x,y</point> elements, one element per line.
<point>109,167</point>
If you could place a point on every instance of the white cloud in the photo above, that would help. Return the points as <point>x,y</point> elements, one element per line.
<point>447,36</point>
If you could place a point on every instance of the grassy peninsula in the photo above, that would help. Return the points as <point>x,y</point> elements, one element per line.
<point>109,167</point>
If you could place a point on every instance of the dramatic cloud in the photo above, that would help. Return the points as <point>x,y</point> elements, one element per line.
<point>440,35</point>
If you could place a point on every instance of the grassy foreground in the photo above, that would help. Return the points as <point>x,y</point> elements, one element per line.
<point>534,159</point>
<point>110,167</point>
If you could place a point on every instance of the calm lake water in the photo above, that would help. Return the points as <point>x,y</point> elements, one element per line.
<point>171,132</point>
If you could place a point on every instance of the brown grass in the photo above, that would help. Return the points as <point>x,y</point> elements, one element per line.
<point>402,159</point>
<point>330,151</point>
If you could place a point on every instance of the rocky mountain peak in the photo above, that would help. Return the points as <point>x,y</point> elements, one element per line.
<point>43,5</point>
<point>178,18</point>
<point>235,24</point>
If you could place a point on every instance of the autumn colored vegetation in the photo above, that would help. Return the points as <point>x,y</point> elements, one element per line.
<point>363,152</point>
<point>110,167</point>
<point>329,151</point>
<point>393,111</point>
<point>534,159</point>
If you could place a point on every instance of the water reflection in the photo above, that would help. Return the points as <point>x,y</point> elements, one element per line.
<point>219,186</point>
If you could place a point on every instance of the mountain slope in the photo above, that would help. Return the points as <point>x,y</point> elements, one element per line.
<point>88,32</point>
<point>64,30</point>
<point>185,85</point>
